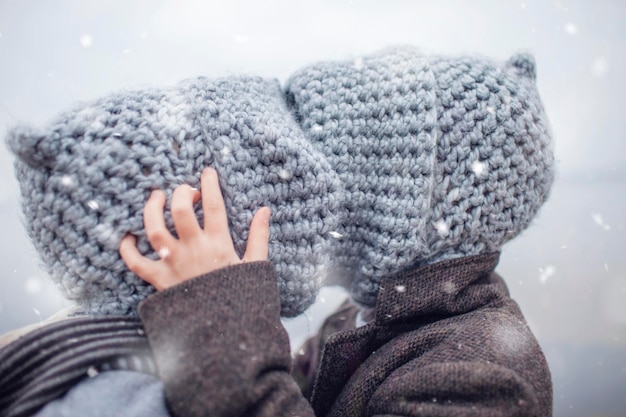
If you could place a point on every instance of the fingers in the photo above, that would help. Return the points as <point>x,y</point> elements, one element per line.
<point>186,257</point>
<point>183,214</point>
<point>143,267</point>
<point>157,233</point>
<point>257,247</point>
<point>215,219</point>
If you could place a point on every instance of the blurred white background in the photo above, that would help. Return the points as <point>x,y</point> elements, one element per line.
<point>568,271</point>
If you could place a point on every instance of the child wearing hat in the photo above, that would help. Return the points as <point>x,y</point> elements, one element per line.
<point>399,176</point>
<point>84,180</point>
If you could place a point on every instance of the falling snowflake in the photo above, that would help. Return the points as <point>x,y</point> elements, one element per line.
<point>336,235</point>
<point>285,174</point>
<point>545,273</point>
<point>571,29</point>
<point>597,218</point>
<point>164,252</point>
<point>316,128</point>
<point>400,288</point>
<point>93,205</point>
<point>67,181</point>
<point>442,228</point>
<point>92,371</point>
<point>509,338</point>
<point>86,41</point>
<point>491,110</point>
<point>449,287</point>
<point>225,151</point>
<point>478,168</point>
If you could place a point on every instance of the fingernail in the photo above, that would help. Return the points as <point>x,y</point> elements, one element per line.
<point>196,194</point>
<point>266,215</point>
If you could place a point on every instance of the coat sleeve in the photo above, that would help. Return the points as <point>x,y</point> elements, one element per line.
<point>220,347</point>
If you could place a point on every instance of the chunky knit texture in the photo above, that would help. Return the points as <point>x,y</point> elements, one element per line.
<point>439,157</point>
<point>86,177</point>
<point>373,166</point>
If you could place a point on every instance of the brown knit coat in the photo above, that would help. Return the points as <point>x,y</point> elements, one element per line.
<point>446,341</point>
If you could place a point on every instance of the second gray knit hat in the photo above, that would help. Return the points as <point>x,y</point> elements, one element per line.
<point>85,178</point>
<point>439,157</point>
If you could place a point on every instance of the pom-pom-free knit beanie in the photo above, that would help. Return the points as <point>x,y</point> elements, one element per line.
<point>439,157</point>
<point>399,160</point>
<point>86,178</point>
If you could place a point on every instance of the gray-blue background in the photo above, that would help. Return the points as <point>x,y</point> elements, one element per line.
<point>568,271</point>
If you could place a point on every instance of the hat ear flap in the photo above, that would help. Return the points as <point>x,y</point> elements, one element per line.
<point>32,147</point>
<point>524,65</point>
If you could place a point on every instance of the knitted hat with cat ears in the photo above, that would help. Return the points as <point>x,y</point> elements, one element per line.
<point>86,177</point>
<point>440,157</point>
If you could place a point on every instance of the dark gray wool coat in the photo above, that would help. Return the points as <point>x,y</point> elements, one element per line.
<point>446,341</point>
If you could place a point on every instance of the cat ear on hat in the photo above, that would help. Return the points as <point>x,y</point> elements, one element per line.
<point>32,146</point>
<point>524,65</point>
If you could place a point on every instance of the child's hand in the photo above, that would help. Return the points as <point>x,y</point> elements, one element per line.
<point>197,251</point>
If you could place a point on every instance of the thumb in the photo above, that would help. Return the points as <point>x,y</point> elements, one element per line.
<point>257,247</point>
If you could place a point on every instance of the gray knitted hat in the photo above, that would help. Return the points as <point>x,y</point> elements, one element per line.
<point>439,157</point>
<point>86,177</point>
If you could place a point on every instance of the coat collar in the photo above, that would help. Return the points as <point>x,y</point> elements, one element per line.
<point>410,297</point>
<point>442,289</point>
